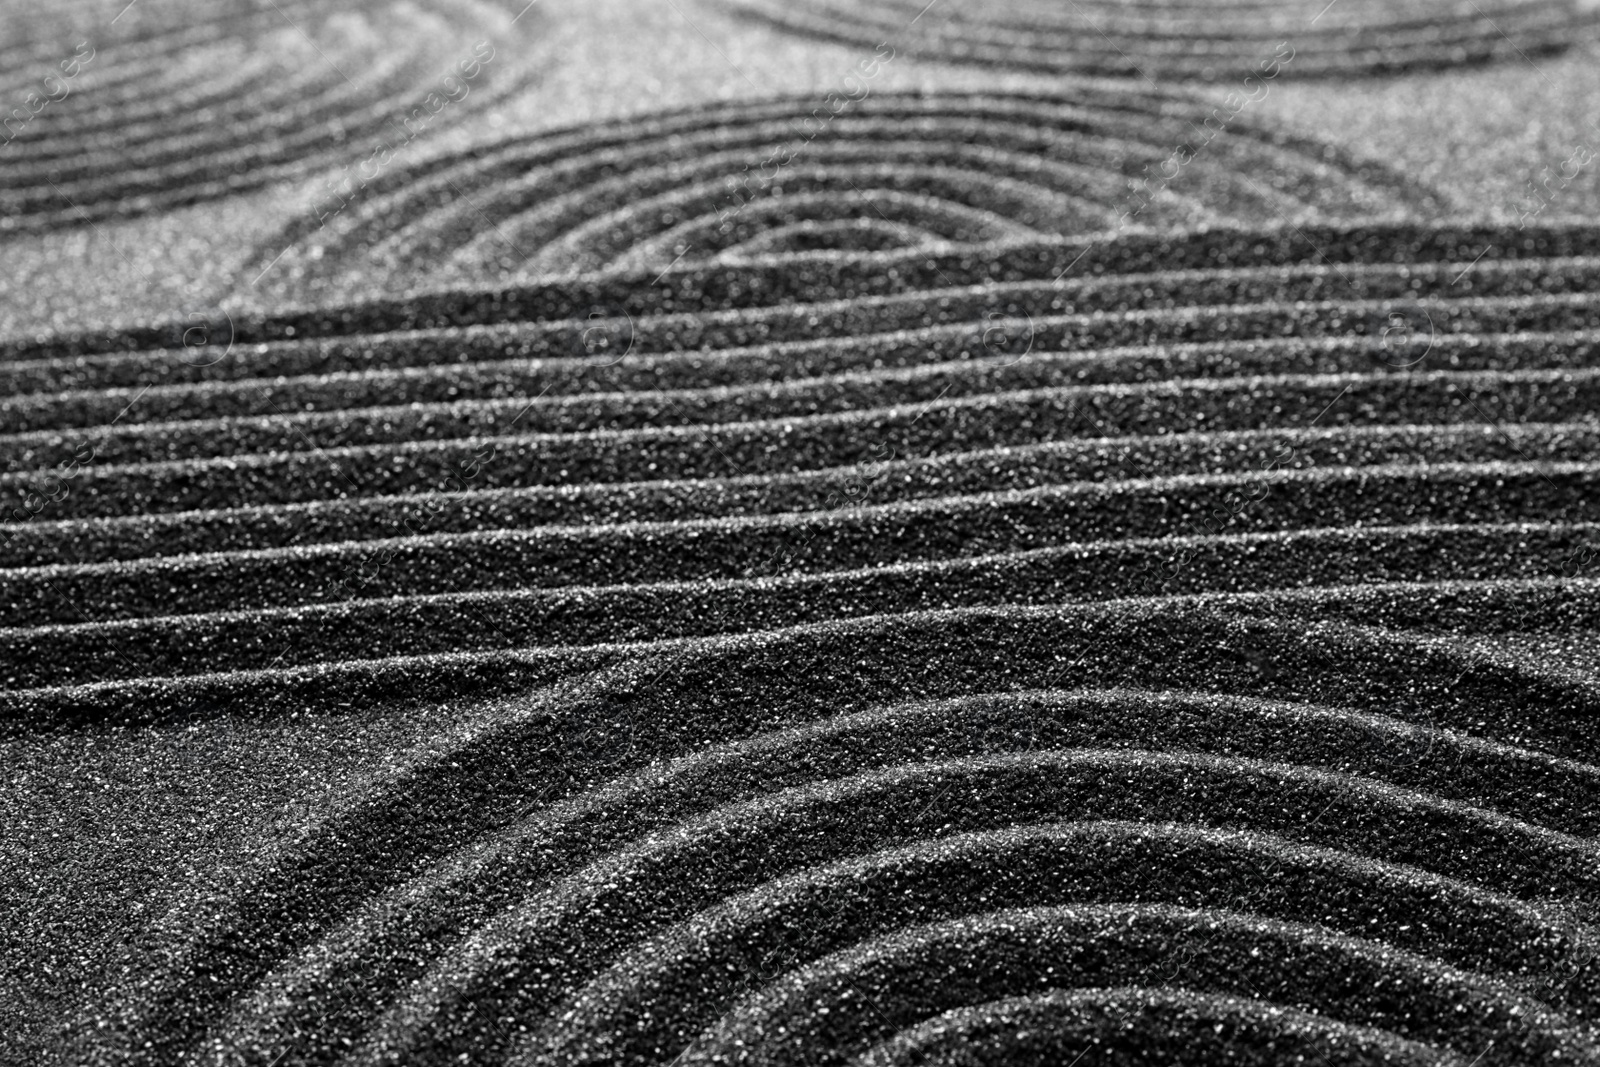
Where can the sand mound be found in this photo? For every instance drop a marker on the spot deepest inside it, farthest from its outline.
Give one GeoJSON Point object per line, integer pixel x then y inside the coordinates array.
{"type": "Point", "coordinates": [884, 658]}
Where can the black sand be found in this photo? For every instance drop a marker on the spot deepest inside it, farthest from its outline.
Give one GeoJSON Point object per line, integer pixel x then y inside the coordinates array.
{"type": "Point", "coordinates": [970, 598]}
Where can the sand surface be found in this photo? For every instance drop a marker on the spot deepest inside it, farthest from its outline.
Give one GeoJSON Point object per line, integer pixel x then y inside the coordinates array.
{"type": "Point", "coordinates": [728, 531]}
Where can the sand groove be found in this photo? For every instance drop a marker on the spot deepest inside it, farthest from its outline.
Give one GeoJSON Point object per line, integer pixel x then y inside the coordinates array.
{"type": "Point", "coordinates": [167, 104]}
{"type": "Point", "coordinates": [1190, 39]}
{"type": "Point", "coordinates": [888, 172]}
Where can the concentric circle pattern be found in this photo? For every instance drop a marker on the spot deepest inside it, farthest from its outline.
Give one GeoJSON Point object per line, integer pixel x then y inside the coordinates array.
{"type": "Point", "coordinates": [1193, 38]}
{"type": "Point", "coordinates": [167, 103]}
{"type": "Point", "coordinates": [888, 171]}
{"type": "Point", "coordinates": [1166, 647]}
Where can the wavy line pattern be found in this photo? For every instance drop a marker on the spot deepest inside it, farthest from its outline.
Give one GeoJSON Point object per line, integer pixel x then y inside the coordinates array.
{"type": "Point", "coordinates": [165, 104]}
{"type": "Point", "coordinates": [1190, 39]}
{"type": "Point", "coordinates": [924, 657]}
{"type": "Point", "coordinates": [886, 172]}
